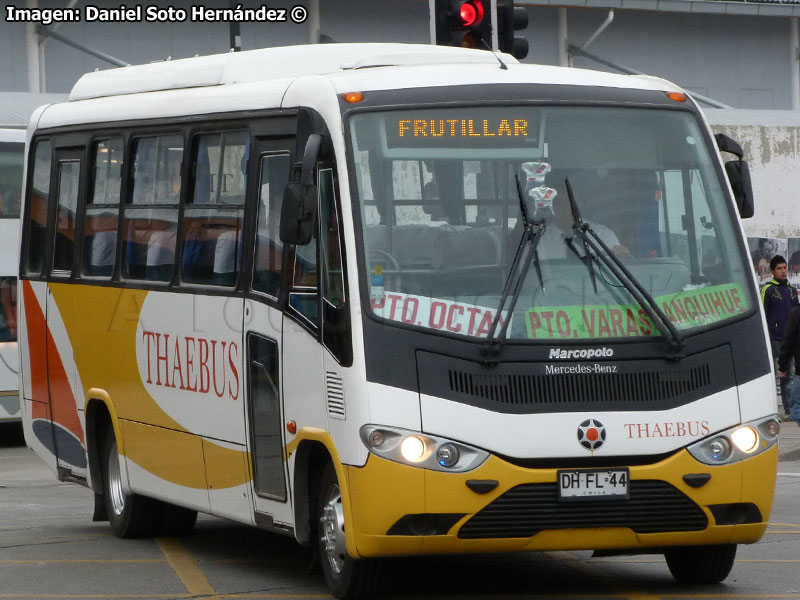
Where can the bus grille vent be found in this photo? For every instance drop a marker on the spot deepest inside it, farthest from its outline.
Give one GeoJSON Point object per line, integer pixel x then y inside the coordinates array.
{"type": "Point", "coordinates": [524, 511]}
{"type": "Point", "coordinates": [642, 387]}
{"type": "Point", "coordinates": [335, 391]}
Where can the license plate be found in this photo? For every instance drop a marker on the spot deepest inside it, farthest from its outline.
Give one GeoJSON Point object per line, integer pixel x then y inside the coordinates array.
{"type": "Point", "coordinates": [584, 484]}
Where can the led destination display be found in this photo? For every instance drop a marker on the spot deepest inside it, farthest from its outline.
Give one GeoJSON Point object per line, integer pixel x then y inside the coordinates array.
{"type": "Point", "coordinates": [496, 127]}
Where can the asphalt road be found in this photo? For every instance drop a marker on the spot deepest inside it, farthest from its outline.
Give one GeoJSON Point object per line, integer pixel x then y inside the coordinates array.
{"type": "Point", "coordinates": [50, 549]}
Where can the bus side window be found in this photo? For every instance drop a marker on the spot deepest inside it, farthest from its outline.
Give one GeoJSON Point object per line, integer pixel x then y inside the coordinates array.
{"type": "Point", "coordinates": [336, 333]}
{"type": "Point", "coordinates": [304, 295]}
{"type": "Point", "coordinates": [151, 217]}
{"type": "Point", "coordinates": [38, 208]}
{"type": "Point", "coordinates": [330, 244]}
{"type": "Point", "coordinates": [304, 283]}
{"type": "Point", "coordinates": [269, 249]}
{"type": "Point", "coordinates": [212, 221]}
{"type": "Point", "coordinates": [102, 212]}
{"type": "Point", "coordinates": [64, 241]}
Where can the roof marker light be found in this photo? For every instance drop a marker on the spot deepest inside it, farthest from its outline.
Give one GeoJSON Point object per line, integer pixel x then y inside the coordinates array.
{"type": "Point", "coordinates": [353, 97]}
{"type": "Point", "coordinates": [677, 96]}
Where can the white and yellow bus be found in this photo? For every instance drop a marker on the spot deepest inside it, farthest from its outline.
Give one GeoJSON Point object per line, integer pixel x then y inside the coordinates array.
{"type": "Point", "coordinates": [398, 300]}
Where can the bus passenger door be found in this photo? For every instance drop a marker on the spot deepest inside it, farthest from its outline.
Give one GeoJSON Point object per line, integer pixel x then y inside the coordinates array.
{"type": "Point", "coordinates": [68, 428]}
{"type": "Point", "coordinates": [263, 342]}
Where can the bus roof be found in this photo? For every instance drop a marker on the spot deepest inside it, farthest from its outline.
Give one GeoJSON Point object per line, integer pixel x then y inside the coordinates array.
{"type": "Point", "coordinates": [291, 76]}
{"type": "Point", "coordinates": [16, 107]}
{"type": "Point", "coordinates": [269, 64]}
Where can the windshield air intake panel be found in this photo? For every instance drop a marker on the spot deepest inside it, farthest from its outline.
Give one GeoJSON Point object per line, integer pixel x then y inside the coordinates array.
{"type": "Point", "coordinates": [542, 387]}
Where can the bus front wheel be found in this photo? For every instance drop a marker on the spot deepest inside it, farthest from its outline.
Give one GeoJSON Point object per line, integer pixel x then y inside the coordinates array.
{"type": "Point", "coordinates": [130, 515]}
{"type": "Point", "coordinates": [700, 564]}
{"type": "Point", "coordinates": [346, 577]}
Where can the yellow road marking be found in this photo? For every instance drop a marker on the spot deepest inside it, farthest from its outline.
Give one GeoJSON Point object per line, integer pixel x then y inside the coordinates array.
{"type": "Point", "coordinates": [44, 517]}
{"type": "Point", "coordinates": [67, 538]}
{"type": "Point", "coordinates": [768, 560]}
{"type": "Point", "coordinates": [86, 560]}
{"type": "Point", "coordinates": [185, 567]}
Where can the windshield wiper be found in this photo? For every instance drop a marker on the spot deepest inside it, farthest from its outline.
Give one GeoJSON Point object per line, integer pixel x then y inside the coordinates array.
{"type": "Point", "coordinates": [601, 252]}
{"type": "Point", "coordinates": [531, 234]}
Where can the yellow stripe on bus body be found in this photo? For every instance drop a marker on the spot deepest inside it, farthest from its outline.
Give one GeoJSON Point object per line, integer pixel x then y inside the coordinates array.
{"type": "Point", "coordinates": [103, 323]}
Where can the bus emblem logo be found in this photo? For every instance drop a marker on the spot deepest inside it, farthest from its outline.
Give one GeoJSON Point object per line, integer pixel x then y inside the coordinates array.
{"type": "Point", "coordinates": [591, 434]}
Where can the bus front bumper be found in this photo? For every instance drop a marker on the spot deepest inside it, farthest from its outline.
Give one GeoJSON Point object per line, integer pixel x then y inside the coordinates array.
{"type": "Point", "coordinates": [401, 510]}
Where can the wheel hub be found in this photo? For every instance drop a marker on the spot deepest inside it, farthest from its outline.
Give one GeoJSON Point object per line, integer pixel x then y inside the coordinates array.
{"type": "Point", "coordinates": [115, 492]}
{"type": "Point", "coordinates": [332, 531]}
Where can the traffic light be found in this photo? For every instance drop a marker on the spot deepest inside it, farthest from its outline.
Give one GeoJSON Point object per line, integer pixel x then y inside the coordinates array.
{"type": "Point", "coordinates": [511, 19]}
{"type": "Point", "coordinates": [464, 23]}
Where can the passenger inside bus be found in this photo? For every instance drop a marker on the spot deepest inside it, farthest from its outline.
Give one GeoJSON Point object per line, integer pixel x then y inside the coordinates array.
{"type": "Point", "coordinates": [226, 254]}
{"type": "Point", "coordinates": [102, 247]}
{"type": "Point", "coordinates": [160, 255]}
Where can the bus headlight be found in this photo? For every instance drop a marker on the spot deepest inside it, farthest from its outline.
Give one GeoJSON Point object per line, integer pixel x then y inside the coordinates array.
{"type": "Point", "coordinates": [421, 450]}
{"type": "Point", "coordinates": [737, 443]}
{"type": "Point", "coordinates": [745, 438]}
{"type": "Point", "coordinates": [413, 449]}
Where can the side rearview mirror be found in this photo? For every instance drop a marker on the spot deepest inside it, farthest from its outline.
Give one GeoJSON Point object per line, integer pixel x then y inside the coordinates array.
{"type": "Point", "coordinates": [727, 144]}
{"type": "Point", "coordinates": [739, 176]}
{"type": "Point", "coordinates": [299, 209]}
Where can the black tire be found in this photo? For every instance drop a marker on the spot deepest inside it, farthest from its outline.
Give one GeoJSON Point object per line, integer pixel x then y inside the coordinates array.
{"type": "Point", "coordinates": [347, 578]}
{"type": "Point", "coordinates": [700, 564]}
{"type": "Point", "coordinates": [130, 515]}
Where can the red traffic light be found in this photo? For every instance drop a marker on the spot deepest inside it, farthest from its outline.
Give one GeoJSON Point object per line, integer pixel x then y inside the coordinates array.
{"type": "Point", "coordinates": [471, 13]}
{"type": "Point", "coordinates": [465, 23]}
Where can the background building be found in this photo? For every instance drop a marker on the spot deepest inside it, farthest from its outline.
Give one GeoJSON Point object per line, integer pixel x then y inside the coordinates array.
{"type": "Point", "coordinates": [742, 55]}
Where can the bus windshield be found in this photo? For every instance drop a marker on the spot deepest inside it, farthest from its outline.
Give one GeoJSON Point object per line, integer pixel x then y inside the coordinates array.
{"type": "Point", "coordinates": [441, 219]}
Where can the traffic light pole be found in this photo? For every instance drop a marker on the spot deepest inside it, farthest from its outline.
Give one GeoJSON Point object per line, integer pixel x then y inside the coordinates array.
{"type": "Point", "coordinates": [432, 20]}
{"type": "Point", "coordinates": [495, 42]}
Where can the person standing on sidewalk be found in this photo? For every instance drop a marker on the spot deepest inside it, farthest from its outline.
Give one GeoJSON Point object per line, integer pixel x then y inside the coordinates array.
{"type": "Point", "coordinates": [778, 298]}
{"type": "Point", "coordinates": [790, 349]}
